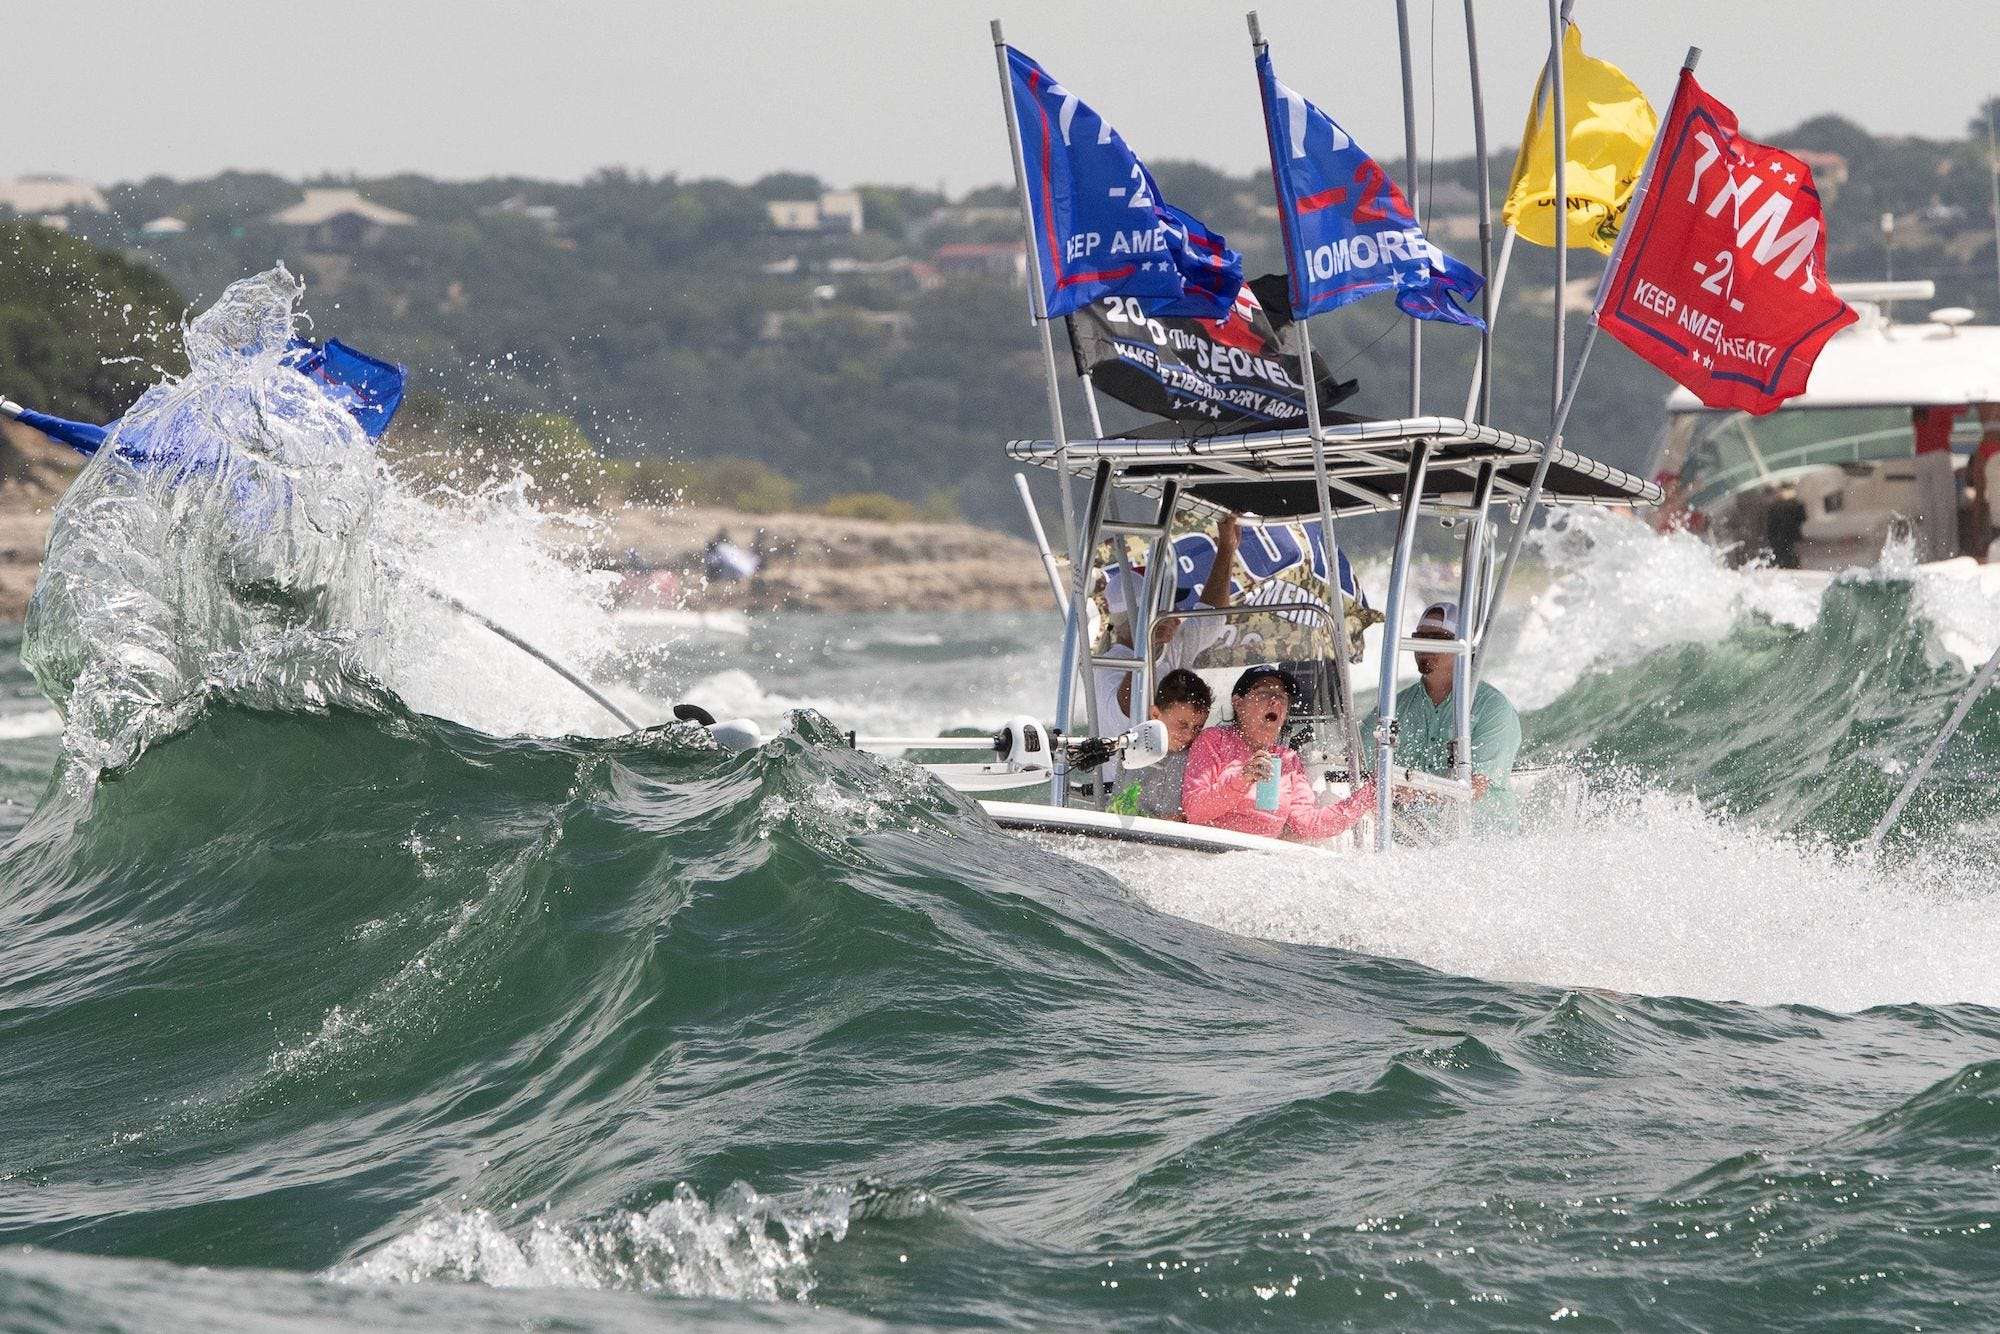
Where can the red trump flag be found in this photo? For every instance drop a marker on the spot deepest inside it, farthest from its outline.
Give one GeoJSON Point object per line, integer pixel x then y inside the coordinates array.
{"type": "Point", "coordinates": [1720, 280]}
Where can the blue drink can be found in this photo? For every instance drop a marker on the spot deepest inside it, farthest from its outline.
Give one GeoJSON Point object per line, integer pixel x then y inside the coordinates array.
{"type": "Point", "coordinates": [1267, 788]}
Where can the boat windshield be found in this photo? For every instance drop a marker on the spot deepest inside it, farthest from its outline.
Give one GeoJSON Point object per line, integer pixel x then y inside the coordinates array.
{"type": "Point", "coordinates": [1725, 453]}
{"type": "Point", "coordinates": [1278, 622]}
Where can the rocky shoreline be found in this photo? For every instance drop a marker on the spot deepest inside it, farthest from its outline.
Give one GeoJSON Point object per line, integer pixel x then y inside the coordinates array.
{"type": "Point", "coordinates": [813, 562]}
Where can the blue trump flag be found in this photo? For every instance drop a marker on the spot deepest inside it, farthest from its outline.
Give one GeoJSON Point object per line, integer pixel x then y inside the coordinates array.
{"type": "Point", "coordinates": [1349, 233]}
{"type": "Point", "coordinates": [370, 389]}
{"type": "Point", "coordinates": [1101, 228]}
{"type": "Point", "coordinates": [82, 437]}
{"type": "Point", "coordinates": [1268, 550]}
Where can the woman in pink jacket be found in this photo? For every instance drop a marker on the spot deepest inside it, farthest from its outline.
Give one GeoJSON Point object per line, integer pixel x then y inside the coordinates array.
{"type": "Point", "coordinates": [1226, 763]}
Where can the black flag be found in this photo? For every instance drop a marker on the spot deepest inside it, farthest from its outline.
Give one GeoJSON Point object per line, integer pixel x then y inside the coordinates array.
{"type": "Point", "coordinates": [1232, 374]}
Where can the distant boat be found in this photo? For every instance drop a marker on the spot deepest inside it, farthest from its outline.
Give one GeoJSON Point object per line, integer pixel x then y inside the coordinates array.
{"type": "Point", "coordinates": [725, 623]}
{"type": "Point", "coordinates": [1876, 449]}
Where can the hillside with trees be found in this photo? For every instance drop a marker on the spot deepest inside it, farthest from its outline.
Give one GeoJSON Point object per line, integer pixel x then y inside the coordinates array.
{"type": "Point", "coordinates": [764, 345]}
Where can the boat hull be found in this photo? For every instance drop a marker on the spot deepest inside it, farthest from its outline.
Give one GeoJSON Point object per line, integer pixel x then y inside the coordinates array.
{"type": "Point", "coordinates": [1135, 829]}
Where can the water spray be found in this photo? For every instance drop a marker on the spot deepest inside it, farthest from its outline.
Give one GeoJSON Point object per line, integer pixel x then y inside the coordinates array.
{"type": "Point", "coordinates": [1978, 687]}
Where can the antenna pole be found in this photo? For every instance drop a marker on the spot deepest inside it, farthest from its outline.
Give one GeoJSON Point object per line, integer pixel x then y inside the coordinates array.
{"type": "Point", "coordinates": [1480, 397]}
{"type": "Point", "coordinates": [1474, 404]}
{"type": "Point", "coordinates": [595, 695]}
{"type": "Point", "coordinates": [1559, 123]}
{"type": "Point", "coordinates": [1416, 209]}
{"type": "Point", "coordinates": [1917, 775]}
{"type": "Point", "coordinates": [1993, 175]}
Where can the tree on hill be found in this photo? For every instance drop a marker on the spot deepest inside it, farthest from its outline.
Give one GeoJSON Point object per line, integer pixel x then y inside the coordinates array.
{"type": "Point", "coordinates": [1987, 118]}
{"type": "Point", "coordinates": [83, 331]}
{"type": "Point", "coordinates": [670, 322]}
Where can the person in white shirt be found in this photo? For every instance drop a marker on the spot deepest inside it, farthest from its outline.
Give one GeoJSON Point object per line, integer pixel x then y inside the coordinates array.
{"type": "Point", "coordinates": [1176, 643]}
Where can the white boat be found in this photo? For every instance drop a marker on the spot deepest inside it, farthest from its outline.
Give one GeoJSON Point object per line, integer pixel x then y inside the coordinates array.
{"type": "Point", "coordinates": [1439, 468]}
{"type": "Point", "coordinates": [1876, 448]}
{"type": "Point", "coordinates": [726, 623]}
{"type": "Point", "coordinates": [1416, 467]}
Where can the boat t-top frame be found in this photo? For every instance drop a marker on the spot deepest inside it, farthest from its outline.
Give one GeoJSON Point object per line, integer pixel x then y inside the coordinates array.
{"type": "Point", "coordinates": [1451, 468]}
{"type": "Point", "coordinates": [1455, 468]}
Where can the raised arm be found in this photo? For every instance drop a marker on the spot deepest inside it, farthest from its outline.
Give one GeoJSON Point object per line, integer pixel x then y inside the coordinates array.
{"type": "Point", "coordinates": [1227, 535]}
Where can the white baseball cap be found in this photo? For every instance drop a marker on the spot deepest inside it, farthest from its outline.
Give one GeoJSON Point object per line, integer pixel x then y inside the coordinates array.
{"type": "Point", "coordinates": [1439, 616]}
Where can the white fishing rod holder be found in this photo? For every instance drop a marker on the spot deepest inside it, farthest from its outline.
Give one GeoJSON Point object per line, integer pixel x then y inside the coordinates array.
{"type": "Point", "coordinates": [1025, 746]}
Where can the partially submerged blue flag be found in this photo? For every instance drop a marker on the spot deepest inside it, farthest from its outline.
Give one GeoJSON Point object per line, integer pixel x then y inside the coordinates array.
{"type": "Point", "coordinates": [1349, 233]}
{"type": "Point", "coordinates": [82, 437]}
{"type": "Point", "coordinates": [370, 389]}
{"type": "Point", "coordinates": [1100, 226]}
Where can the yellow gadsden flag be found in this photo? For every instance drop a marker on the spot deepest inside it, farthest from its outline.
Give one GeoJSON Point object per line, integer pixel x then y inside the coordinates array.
{"type": "Point", "coordinates": [1611, 125]}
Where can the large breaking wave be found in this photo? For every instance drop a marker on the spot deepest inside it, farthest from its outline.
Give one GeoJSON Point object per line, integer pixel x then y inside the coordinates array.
{"type": "Point", "coordinates": [384, 996]}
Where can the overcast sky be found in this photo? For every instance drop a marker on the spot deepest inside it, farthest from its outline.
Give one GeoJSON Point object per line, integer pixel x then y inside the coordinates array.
{"type": "Point", "coordinates": [893, 91]}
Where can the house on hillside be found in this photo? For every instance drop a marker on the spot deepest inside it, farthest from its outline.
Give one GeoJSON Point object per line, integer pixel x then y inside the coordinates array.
{"type": "Point", "coordinates": [893, 325]}
{"type": "Point", "coordinates": [545, 216]}
{"type": "Point", "coordinates": [993, 259]}
{"type": "Point", "coordinates": [1829, 171]}
{"type": "Point", "coordinates": [340, 218]}
{"type": "Point", "coordinates": [838, 212]}
{"type": "Point", "coordinates": [50, 199]}
{"type": "Point", "coordinates": [963, 218]}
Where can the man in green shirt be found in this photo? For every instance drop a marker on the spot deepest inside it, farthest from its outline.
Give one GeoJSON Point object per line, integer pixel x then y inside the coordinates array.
{"type": "Point", "coordinates": [1427, 723]}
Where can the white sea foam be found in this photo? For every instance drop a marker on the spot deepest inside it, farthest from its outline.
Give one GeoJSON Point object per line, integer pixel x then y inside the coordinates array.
{"type": "Point", "coordinates": [260, 549]}
{"type": "Point", "coordinates": [744, 1246]}
{"type": "Point", "coordinates": [31, 723]}
{"type": "Point", "coordinates": [1638, 892]}
{"type": "Point", "coordinates": [1619, 591]}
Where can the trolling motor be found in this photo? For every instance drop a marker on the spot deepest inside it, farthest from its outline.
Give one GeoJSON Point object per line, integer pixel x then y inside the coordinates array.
{"type": "Point", "coordinates": [1024, 746]}
{"type": "Point", "coordinates": [733, 734]}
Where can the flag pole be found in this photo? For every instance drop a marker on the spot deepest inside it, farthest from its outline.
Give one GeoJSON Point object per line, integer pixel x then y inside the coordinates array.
{"type": "Point", "coordinates": [1559, 122]}
{"type": "Point", "coordinates": [1416, 211]}
{"type": "Point", "coordinates": [1090, 401]}
{"type": "Point", "coordinates": [1480, 394]}
{"type": "Point", "coordinates": [1037, 309]}
{"type": "Point", "coordinates": [1074, 650]}
{"type": "Point", "coordinates": [1495, 289]}
{"type": "Point", "coordinates": [1510, 233]}
{"type": "Point", "coordinates": [1343, 677]}
{"type": "Point", "coordinates": [1568, 400]}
